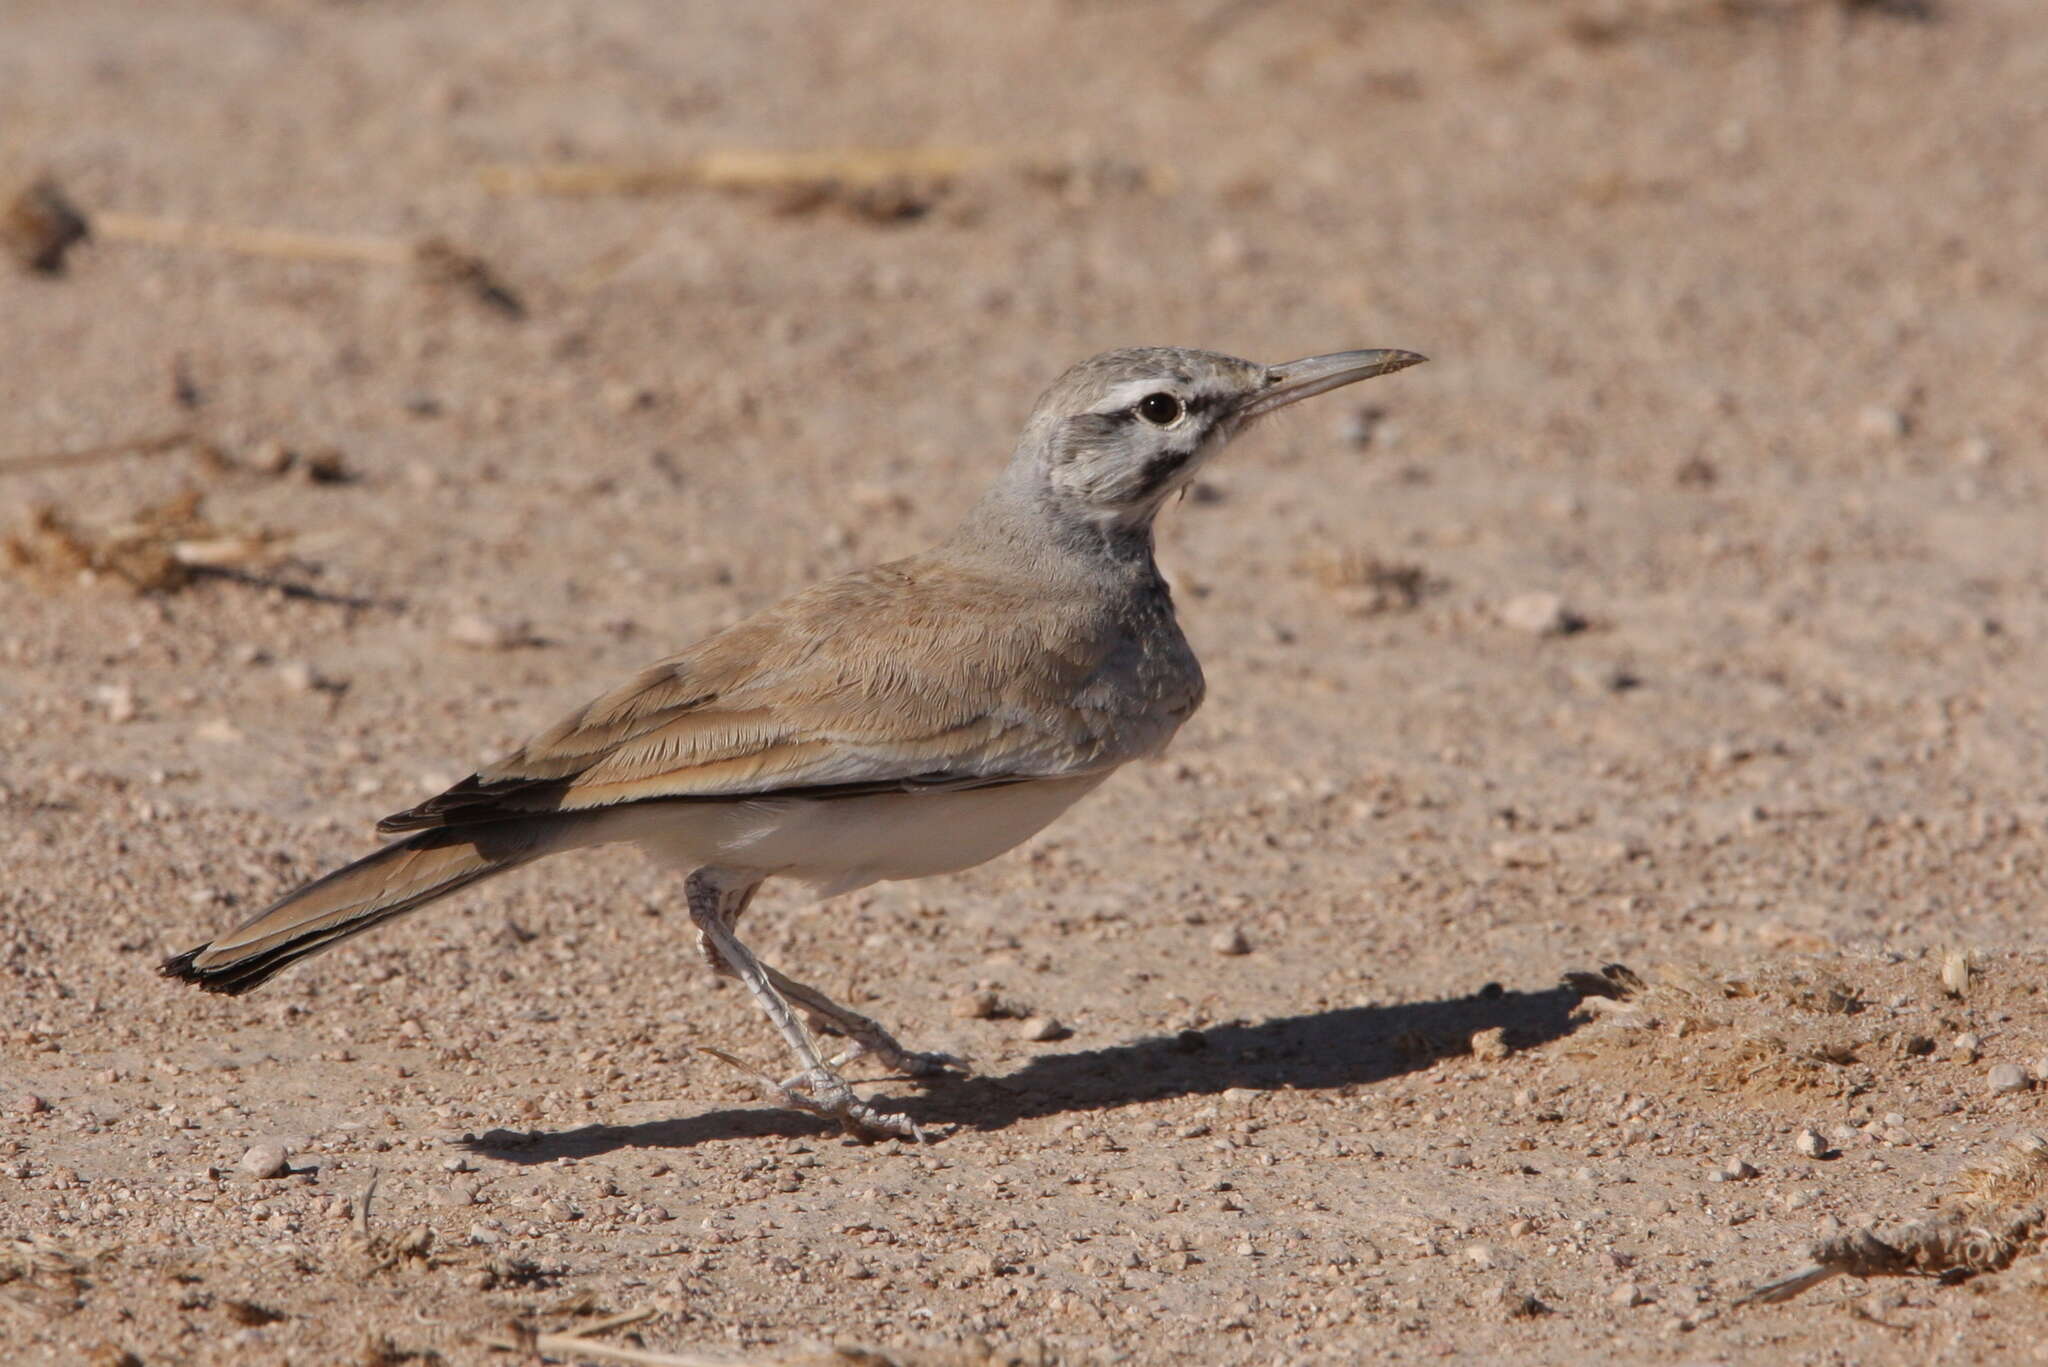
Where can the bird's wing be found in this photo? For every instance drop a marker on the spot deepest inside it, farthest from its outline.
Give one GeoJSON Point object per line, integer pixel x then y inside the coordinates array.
{"type": "Point", "coordinates": [899, 678]}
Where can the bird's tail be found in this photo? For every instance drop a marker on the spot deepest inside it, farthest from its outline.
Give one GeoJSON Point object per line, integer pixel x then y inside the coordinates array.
{"type": "Point", "coordinates": [403, 875]}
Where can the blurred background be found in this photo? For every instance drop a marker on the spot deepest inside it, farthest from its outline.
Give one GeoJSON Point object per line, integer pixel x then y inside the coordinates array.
{"type": "Point", "coordinates": [426, 366]}
{"type": "Point", "coordinates": [605, 323]}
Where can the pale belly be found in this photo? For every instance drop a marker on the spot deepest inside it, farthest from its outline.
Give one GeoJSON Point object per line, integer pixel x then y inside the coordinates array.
{"type": "Point", "coordinates": [838, 845]}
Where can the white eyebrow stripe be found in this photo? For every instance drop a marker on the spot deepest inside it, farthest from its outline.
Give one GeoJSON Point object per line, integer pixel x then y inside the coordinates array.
{"type": "Point", "coordinates": [1130, 391]}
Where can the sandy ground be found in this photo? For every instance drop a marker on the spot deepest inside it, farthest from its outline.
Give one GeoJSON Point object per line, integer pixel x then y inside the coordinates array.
{"type": "Point", "coordinates": [1738, 314]}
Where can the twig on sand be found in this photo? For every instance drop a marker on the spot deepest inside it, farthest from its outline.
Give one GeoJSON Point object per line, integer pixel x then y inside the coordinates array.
{"type": "Point", "coordinates": [40, 224]}
{"type": "Point", "coordinates": [733, 170]}
{"type": "Point", "coordinates": [154, 445]}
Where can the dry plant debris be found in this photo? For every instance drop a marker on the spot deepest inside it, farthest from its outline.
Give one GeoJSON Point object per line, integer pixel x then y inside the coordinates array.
{"type": "Point", "coordinates": [2000, 1214]}
{"type": "Point", "coordinates": [1367, 584]}
{"type": "Point", "coordinates": [885, 185]}
{"type": "Point", "coordinates": [41, 1276]}
{"type": "Point", "coordinates": [40, 224]}
{"type": "Point", "coordinates": [159, 551]}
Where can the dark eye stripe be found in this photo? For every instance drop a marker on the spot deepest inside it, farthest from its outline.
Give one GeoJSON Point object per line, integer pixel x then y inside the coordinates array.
{"type": "Point", "coordinates": [1159, 472]}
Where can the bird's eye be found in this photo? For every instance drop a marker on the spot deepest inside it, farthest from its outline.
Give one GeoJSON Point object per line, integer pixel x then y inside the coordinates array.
{"type": "Point", "coordinates": [1161, 410]}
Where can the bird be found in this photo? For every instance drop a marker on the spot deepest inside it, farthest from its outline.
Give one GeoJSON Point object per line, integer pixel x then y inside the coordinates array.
{"type": "Point", "coordinates": [915, 718]}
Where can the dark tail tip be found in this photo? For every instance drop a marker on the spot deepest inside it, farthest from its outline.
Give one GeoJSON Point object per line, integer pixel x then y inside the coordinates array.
{"type": "Point", "coordinates": [230, 979]}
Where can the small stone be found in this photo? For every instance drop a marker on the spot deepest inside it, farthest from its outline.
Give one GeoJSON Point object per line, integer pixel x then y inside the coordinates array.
{"type": "Point", "coordinates": [1490, 1046]}
{"type": "Point", "coordinates": [1481, 1255]}
{"type": "Point", "coordinates": [1737, 1170]}
{"type": "Point", "coordinates": [1361, 425]}
{"type": "Point", "coordinates": [1540, 614]}
{"type": "Point", "coordinates": [267, 1159]}
{"type": "Point", "coordinates": [119, 700]}
{"type": "Point", "coordinates": [1811, 1143]}
{"type": "Point", "coordinates": [326, 466]}
{"type": "Point", "coordinates": [974, 1006]}
{"type": "Point", "coordinates": [1522, 852]}
{"type": "Point", "coordinates": [271, 457]}
{"type": "Point", "coordinates": [1955, 972]}
{"type": "Point", "coordinates": [1629, 1295]}
{"type": "Point", "coordinates": [1879, 423]}
{"type": "Point", "coordinates": [479, 632]}
{"type": "Point", "coordinates": [623, 397]}
{"type": "Point", "coordinates": [1230, 942]}
{"type": "Point", "coordinates": [457, 1164]}
{"type": "Point", "coordinates": [30, 1104]}
{"type": "Point", "coordinates": [298, 676]}
{"type": "Point", "coordinates": [1967, 1046]}
{"type": "Point", "coordinates": [2006, 1078]}
{"type": "Point", "coordinates": [1521, 1229]}
{"type": "Point", "coordinates": [1976, 452]}
{"type": "Point", "coordinates": [1043, 1028]}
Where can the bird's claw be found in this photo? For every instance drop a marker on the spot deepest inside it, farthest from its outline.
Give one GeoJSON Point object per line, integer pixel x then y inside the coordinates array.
{"type": "Point", "coordinates": [822, 1092]}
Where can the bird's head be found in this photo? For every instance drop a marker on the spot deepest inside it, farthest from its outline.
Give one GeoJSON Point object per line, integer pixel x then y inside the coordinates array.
{"type": "Point", "coordinates": [1122, 432]}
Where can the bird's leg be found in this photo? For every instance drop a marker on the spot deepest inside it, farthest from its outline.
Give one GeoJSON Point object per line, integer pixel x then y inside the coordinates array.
{"type": "Point", "coordinates": [870, 1038]}
{"type": "Point", "coordinates": [715, 903]}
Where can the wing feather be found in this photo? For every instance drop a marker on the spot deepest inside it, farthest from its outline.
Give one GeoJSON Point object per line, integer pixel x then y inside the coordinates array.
{"type": "Point", "coordinates": [899, 678]}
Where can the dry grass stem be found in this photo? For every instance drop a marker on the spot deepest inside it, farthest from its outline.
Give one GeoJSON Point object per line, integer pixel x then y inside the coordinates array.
{"type": "Point", "coordinates": [2000, 1214]}
{"type": "Point", "coordinates": [154, 445]}
{"type": "Point", "coordinates": [732, 170]}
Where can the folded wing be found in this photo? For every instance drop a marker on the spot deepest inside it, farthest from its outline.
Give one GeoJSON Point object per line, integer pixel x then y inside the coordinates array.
{"type": "Point", "coordinates": [882, 680]}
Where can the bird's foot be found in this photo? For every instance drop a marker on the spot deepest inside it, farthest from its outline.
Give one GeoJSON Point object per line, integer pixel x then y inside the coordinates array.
{"type": "Point", "coordinates": [872, 1041]}
{"type": "Point", "coordinates": [823, 1092]}
{"type": "Point", "coordinates": [909, 1062]}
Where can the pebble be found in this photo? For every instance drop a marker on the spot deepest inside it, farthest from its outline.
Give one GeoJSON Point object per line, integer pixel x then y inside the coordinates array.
{"type": "Point", "coordinates": [1490, 1046]}
{"type": "Point", "coordinates": [1976, 452]}
{"type": "Point", "coordinates": [1968, 1046]}
{"type": "Point", "coordinates": [1540, 614]}
{"type": "Point", "coordinates": [31, 1104]}
{"type": "Point", "coordinates": [270, 457]}
{"type": "Point", "coordinates": [266, 1160]}
{"type": "Point", "coordinates": [119, 700]}
{"type": "Point", "coordinates": [1955, 972]}
{"type": "Point", "coordinates": [974, 1006]}
{"type": "Point", "coordinates": [1811, 1143]}
{"type": "Point", "coordinates": [1230, 942]}
{"type": "Point", "coordinates": [300, 677]}
{"type": "Point", "coordinates": [1736, 1170]}
{"type": "Point", "coordinates": [479, 632]}
{"type": "Point", "coordinates": [1881, 424]}
{"type": "Point", "coordinates": [1629, 1295]}
{"type": "Point", "coordinates": [1042, 1028]}
{"type": "Point", "coordinates": [2005, 1078]}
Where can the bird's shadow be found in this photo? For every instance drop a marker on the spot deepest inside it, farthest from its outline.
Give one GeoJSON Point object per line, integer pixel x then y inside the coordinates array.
{"type": "Point", "coordinates": [1349, 1047]}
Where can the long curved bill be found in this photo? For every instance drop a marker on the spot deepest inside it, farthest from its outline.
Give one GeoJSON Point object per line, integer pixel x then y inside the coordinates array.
{"type": "Point", "coordinates": [1313, 375]}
